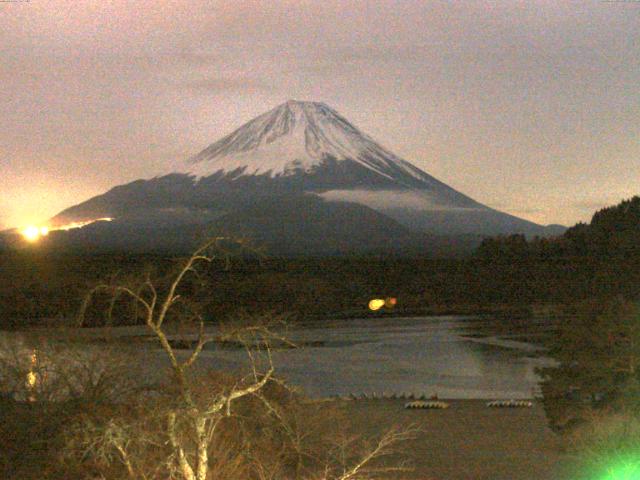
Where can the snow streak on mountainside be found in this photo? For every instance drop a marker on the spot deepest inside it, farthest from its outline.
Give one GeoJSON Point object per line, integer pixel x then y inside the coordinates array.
{"type": "Point", "coordinates": [297, 137]}
{"type": "Point", "coordinates": [308, 157]}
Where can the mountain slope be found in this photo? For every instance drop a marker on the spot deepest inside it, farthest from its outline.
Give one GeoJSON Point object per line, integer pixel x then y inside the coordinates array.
{"type": "Point", "coordinates": [293, 151]}
{"type": "Point", "coordinates": [289, 225]}
{"type": "Point", "coordinates": [309, 139]}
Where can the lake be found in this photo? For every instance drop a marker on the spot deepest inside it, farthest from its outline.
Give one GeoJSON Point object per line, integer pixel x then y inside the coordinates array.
{"type": "Point", "coordinates": [446, 356]}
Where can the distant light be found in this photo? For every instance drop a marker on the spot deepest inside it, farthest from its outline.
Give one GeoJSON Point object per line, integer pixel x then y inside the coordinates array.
{"type": "Point", "coordinates": [31, 233]}
{"type": "Point", "coordinates": [74, 225]}
{"type": "Point", "coordinates": [390, 302]}
{"type": "Point", "coordinates": [31, 379]}
{"type": "Point", "coordinates": [376, 304]}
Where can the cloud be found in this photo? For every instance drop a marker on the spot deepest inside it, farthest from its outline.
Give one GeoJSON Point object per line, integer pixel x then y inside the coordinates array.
{"type": "Point", "coordinates": [516, 211]}
{"type": "Point", "coordinates": [526, 211]}
{"type": "Point", "coordinates": [380, 199]}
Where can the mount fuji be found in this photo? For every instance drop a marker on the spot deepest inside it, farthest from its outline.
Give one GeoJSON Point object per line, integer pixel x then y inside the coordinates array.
{"type": "Point", "coordinates": [299, 173]}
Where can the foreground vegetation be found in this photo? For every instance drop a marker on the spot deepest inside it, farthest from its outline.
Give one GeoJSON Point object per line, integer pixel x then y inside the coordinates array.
{"type": "Point", "coordinates": [591, 275]}
{"type": "Point", "coordinates": [71, 410]}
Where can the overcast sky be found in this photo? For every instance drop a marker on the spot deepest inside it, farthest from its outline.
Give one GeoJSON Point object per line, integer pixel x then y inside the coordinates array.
{"type": "Point", "coordinates": [530, 107]}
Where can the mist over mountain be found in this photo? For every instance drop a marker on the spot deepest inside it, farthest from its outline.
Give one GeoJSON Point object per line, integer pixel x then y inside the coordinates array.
{"type": "Point", "coordinates": [296, 151]}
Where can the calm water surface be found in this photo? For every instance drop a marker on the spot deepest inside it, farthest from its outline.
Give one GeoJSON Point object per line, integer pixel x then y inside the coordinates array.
{"type": "Point", "coordinates": [425, 355]}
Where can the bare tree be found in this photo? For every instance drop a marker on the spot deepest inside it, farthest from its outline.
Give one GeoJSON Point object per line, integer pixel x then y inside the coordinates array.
{"type": "Point", "coordinates": [192, 412]}
{"type": "Point", "coordinates": [202, 417]}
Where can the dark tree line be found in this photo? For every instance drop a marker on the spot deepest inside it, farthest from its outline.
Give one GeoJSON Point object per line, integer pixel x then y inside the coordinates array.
{"type": "Point", "coordinates": [600, 259]}
{"type": "Point", "coordinates": [596, 260]}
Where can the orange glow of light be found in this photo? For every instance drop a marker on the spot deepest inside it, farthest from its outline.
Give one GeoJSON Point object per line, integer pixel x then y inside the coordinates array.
{"type": "Point", "coordinates": [31, 379]}
{"type": "Point", "coordinates": [33, 233]}
{"type": "Point", "coordinates": [376, 304]}
{"type": "Point", "coordinates": [72, 225]}
{"type": "Point", "coordinates": [390, 302]}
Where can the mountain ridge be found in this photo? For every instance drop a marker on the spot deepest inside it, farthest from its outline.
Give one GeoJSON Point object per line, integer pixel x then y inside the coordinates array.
{"type": "Point", "coordinates": [294, 150]}
{"type": "Point", "coordinates": [299, 137]}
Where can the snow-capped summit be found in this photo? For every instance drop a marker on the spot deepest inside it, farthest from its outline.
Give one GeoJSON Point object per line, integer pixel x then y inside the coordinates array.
{"type": "Point", "coordinates": [298, 137]}
{"type": "Point", "coordinates": [300, 162]}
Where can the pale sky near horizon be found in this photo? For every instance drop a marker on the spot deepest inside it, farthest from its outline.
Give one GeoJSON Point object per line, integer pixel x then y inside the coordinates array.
{"type": "Point", "coordinates": [531, 107]}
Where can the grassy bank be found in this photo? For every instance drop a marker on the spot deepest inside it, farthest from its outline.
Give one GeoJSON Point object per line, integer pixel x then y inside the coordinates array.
{"type": "Point", "coordinates": [469, 440]}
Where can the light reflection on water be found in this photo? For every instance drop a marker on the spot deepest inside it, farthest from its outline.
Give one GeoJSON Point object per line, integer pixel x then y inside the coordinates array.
{"type": "Point", "coordinates": [425, 355]}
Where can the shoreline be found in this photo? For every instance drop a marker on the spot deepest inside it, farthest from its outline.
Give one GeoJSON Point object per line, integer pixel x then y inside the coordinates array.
{"type": "Point", "coordinates": [468, 440]}
{"type": "Point", "coordinates": [499, 310]}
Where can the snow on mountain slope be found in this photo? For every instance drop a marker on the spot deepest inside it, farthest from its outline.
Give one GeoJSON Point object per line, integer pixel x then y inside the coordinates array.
{"type": "Point", "coordinates": [298, 136]}
{"type": "Point", "coordinates": [300, 150]}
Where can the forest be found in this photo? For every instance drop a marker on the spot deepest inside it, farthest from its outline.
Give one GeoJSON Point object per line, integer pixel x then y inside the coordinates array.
{"type": "Point", "coordinates": [596, 260]}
